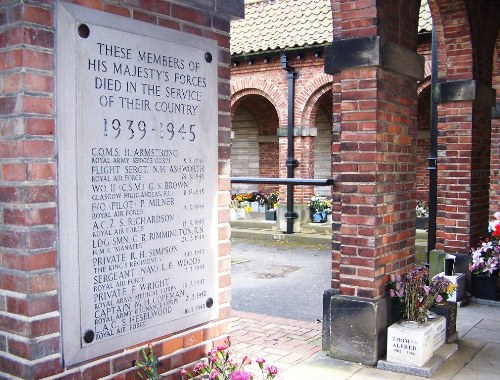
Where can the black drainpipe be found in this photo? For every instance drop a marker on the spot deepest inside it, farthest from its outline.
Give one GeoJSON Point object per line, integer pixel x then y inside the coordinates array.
{"type": "Point", "coordinates": [432, 159]}
{"type": "Point", "coordinates": [291, 162]}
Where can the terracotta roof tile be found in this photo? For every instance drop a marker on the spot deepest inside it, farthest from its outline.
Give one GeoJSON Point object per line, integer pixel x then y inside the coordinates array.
{"type": "Point", "coordinates": [425, 19]}
{"type": "Point", "coordinates": [282, 24]}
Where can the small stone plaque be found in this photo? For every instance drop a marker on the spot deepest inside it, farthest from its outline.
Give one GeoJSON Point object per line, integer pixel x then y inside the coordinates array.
{"type": "Point", "coordinates": [449, 311]}
{"type": "Point", "coordinates": [414, 345]}
{"type": "Point", "coordinates": [138, 171]}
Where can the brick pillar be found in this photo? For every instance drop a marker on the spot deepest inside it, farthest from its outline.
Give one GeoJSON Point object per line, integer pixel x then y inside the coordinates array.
{"type": "Point", "coordinates": [466, 40]}
{"type": "Point", "coordinates": [495, 137]}
{"type": "Point", "coordinates": [464, 141]}
{"type": "Point", "coordinates": [30, 310]}
{"type": "Point", "coordinates": [374, 163]}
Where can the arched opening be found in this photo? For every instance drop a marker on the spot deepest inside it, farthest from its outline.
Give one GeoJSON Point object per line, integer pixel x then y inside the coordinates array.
{"type": "Point", "coordinates": [255, 149]}
{"type": "Point", "coordinates": [323, 143]}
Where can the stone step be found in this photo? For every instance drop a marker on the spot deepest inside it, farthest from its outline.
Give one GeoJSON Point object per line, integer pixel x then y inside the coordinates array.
{"type": "Point", "coordinates": [270, 235]}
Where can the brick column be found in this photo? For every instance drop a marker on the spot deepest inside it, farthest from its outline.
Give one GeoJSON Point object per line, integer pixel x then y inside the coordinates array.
{"type": "Point", "coordinates": [374, 166]}
{"type": "Point", "coordinates": [30, 334]}
{"type": "Point", "coordinates": [464, 141]}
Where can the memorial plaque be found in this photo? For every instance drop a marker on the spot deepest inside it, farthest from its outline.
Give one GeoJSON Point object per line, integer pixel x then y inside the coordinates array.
{"type": "Point", "coordinates": [137, 127]}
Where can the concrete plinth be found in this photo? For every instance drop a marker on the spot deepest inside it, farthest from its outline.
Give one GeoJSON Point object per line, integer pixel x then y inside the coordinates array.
{"type": "Point", "coordinates": [358, 329]}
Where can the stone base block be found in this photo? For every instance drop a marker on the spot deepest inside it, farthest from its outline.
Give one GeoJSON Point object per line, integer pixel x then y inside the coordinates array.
{"type": "Point", "coordinates": [414, 345]}
{"type": "Point", "coordinates": [358, 329]}
{"type": "Point", "coordinates": [440, 355]}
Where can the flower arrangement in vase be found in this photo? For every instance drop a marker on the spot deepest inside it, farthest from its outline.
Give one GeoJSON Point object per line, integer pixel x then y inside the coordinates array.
{"type": "Point", "coordinates": [484, 265]}
{"type": "Point", "coordinates": [320, 206]}
{"type": "Point", "coordinates": [414, 293]}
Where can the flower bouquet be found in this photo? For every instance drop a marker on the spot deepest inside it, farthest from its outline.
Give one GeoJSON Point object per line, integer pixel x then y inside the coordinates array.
{"type": "Point", "coordinates": [485, 256]}
{"type": "Point", "coordinates": [415, 294]}
{"type": "Point", "coordinates": [484, 265]}
{"type": "Point", "coordinates": [320, 206]}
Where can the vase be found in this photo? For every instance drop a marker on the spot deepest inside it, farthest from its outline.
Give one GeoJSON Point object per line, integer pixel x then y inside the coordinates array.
{"type": "Point", "coordinates": [319, 217]}
{"type": "Point", "coordinates": [485, 287]}
{"type": "Point", "coordinates": [271, 214]}
{"type": "Point", "coordinates": [422, 222]}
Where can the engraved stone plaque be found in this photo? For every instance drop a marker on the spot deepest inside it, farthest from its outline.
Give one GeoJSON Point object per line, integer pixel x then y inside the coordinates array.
{"type": "Point", "coordinates": [137, 147]}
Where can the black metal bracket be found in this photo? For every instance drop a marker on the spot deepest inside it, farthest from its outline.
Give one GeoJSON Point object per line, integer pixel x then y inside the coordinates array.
{"type": "Point", "coordinates": [432, 163]}
{"type": "Point", "coordinates": [291, 215]}
{"type": "Point", "coordinates": [292, 163]}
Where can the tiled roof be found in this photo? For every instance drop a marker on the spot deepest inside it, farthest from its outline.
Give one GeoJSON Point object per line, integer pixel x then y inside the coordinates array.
{"type": "Point", "coordinates": [285, 24]}
{"type": "Point", "coordinates": [281, 24]}
{"type": "Point", "coordinates": [424, 19]}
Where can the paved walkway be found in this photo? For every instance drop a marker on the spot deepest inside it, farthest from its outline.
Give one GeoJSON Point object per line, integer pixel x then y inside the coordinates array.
{"type": "Point", "coordinates": [295, 348]}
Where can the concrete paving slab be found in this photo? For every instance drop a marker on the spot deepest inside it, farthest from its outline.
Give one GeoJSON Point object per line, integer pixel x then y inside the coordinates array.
{"type": "Point", "coordinates": [485, 335]}
{"type": "Point", "coordinates": [465, 324]}
{"type": "Point", "coordinates": [487, 359]}
{"type": "Point", "coordinates": [322, 366]}
{"type": "Point", "coordinates": [455, 363]}
{"type": "Point", "coordinates": [468, 374]}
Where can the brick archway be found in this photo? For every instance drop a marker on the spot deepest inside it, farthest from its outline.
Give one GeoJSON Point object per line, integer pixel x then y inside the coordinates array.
{"type": "Point", "coordinates": [311, 92]}
{"type": "Point", "coordinates": [252, 86]}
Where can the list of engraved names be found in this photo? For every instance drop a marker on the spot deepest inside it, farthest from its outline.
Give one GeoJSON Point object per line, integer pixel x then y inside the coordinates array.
{"type": "Point", "coordinates": [148, 179]}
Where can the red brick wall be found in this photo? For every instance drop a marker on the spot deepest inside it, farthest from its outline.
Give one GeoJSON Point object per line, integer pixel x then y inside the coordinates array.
{"type": "Point", "coordinates": [29, 300]}
{"type": "Point", "coordinates": [268, 81]}
{"type": "Point", "coordinates": [495, 139]}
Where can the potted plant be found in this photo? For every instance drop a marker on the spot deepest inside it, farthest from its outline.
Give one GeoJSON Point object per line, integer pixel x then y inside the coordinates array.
{"type": "Point", "coordinates": [485, 280]}
{"type": "Point", "coordinates": [272, 203]}
{"type": "Point", "coordinates": [317, 206]}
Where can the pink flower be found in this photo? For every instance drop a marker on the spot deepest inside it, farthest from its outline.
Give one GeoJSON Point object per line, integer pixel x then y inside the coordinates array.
{"type": "Point", "coordinates": [198, 367]}
{"type": "Point", "coordinates": [260, 360]}
{"type": "Point", "coordinates": [273, 370]}
{"type": "Point", "coordinates": [221, 348]}
{"type": "Point", "coordinates": [439, 298]}
{"type": "Point", "coordinates": [427, 290]}
{"type": "Point", "coordinates": [240, 375]}
{"type": "Point", "coordinates": [214, 374]}
{"type": "Point", "coordinates": [184, 372]}
{"type": "Point", "coordinates": [246, 360]}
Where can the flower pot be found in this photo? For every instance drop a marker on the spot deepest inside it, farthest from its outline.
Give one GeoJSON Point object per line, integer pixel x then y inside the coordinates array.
{"type": "Point", "coordinates": [422, 222]}
{"type": "Point", "coordinates": [485, 287]}
{"type": "Point", "coordinates": [271, 214]}
{"type": "Point", "coordinates": [318, 217]}
{"type": "Point", "coordinates": [254, 206]}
